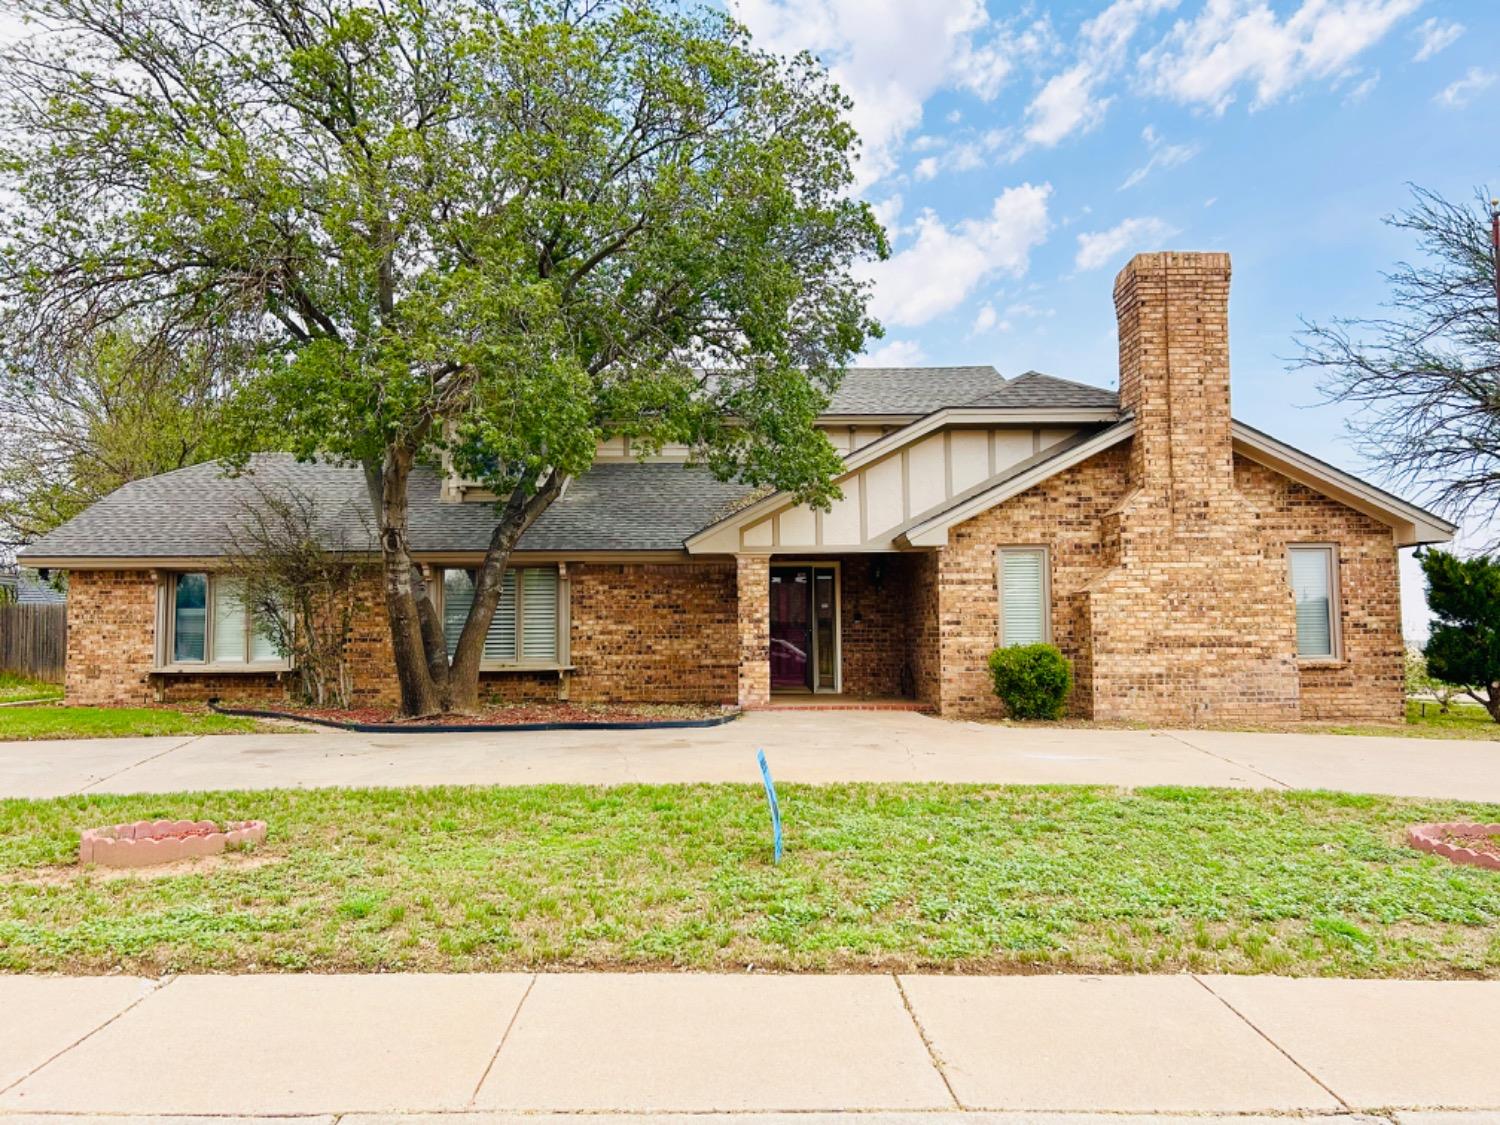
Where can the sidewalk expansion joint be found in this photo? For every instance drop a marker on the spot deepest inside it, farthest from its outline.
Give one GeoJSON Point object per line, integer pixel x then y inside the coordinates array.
{"type": "Point", "coordinates": [1228, 761]}
{"type": "Point", "coordinates": [157, 985]}
{"type": "Point", "coordinates": [135, 765]}
{"type": "Point", "coordinates": [514, 1016]}
{"type": "Point", "coordinates": [1332, 1093]}
{"type": "Point", "coordinates": [937, 1063]}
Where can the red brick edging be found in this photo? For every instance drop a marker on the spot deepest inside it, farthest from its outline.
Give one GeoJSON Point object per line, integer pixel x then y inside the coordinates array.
{"type": "Point", "coordinates": [1429, 838]}
{"type": "Point", "coordinates": [161, 841]}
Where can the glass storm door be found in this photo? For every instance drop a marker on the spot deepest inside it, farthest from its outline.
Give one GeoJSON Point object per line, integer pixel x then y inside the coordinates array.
{"type": "Point", "coordinates": [791, 628]}
{"type": "Point", "coordinates": [804, 628]}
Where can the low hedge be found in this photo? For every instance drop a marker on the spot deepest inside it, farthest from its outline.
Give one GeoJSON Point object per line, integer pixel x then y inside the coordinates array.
{"type": "Point", "coordinates": [1032, 681]}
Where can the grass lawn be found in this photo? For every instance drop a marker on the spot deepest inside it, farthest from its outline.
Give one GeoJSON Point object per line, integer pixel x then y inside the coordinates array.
{"type": "Point", "coordinates": [115, 722]}
{"type": "Point", "coordinates": [15, 687]}
{"type": "Point", "coordinates": [875, 877]}
{"type": "Point", "coordinates": [1464, 720]}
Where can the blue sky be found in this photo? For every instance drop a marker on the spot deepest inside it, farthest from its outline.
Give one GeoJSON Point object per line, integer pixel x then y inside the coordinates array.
{"type": "Point", "coordinates": [1020, 153]}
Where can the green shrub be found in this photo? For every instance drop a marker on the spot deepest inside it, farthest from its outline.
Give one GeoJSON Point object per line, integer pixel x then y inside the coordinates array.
{"type": "Point", "coordinates": [1032, 681]}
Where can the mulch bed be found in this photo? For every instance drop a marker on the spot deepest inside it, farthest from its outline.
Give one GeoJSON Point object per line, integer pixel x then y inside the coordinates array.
{"type": "Point", "coordinates": [1486, 843]}
{"type": "Point", "coordinates": [516, 716]}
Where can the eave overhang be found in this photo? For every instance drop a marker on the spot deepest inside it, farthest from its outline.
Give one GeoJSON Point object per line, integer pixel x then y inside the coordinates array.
{"type": "Point", "coordinates": [1412, 526]}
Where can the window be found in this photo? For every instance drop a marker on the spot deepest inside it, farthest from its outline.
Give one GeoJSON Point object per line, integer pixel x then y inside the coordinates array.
{"type": "Point", "coordinates": [190, 619]}
{"type": "Point", "coordinates": [524, 629]}
{"type": "Point", "coordinates": [1313, 588]}
{"type": "Point", "coordinates": [211, 625]}
{"type": "Point", "coordinates": [1024, 596]}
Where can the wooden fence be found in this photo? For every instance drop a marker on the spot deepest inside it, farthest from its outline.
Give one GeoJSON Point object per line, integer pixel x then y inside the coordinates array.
{"type": "Point", "coordinates": [34, 640]}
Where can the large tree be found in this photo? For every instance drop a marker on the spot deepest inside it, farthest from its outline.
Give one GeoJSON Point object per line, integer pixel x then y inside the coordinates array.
{"type": "Point", "coordinates": [83, 416]}
{"type": "Point", "coordinates": [481, 231]}
{"type": "Point", "coordinates": [1464, 647]}
{"type": "Point", "coordinates": [1425, 377]}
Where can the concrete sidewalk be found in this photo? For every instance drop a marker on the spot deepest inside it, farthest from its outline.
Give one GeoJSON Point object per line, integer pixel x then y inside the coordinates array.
{"type": "Point", "coordinates": [804, 746]}
{"type": "Point", "coordinates": [907, 1047]}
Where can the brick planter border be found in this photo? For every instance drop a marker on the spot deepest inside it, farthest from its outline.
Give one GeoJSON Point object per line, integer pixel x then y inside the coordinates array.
{"type": "Point", "coordinates": [1429, 838]}
{"type": "Point", "coordinates": [148, 842]}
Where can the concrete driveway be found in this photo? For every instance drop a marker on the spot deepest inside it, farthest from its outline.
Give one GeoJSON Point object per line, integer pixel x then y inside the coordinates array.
{"type": "Point", "coordinates": [805, 746]}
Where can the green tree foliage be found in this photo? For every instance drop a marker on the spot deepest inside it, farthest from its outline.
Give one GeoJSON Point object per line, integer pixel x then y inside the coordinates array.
{"type": "Point", "coordinates": [1464, 648]}
{"type": "Point", "coordinates": [82, 417]}
{"type": "Point", "coordinates": [486, 231]}
{"type": "Point", "coordinates": [1422, 684]}
{"type": "Point", "coordinates": [1032, 681]}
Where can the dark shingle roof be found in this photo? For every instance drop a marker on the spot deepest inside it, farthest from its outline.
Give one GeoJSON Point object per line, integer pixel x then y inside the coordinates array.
{"type": "Point", "coordinates": [625, 506]}
{"type": "Point", "coordinates": [1047, 392]}
{"type": "Point", "coordinates": [911, 390]}
{"type": "Point", "coordinates": [194, 512]}
{"type": "Point", "coordinates": [28, 589]}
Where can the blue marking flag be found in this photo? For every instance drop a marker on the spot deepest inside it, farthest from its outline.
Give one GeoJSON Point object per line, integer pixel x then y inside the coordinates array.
{"type": "Point", "coordinates": [765, 775]}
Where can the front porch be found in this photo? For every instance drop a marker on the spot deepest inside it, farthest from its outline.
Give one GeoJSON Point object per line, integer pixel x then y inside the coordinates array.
{"type": "Point", "coordinates": [850, 631]}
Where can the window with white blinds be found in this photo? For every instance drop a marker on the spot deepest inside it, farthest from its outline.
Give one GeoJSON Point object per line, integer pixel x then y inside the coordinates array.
{"type": "Point", "coordinates": [1313, 589]}
{"type": "Point", "coordinates": [1023, 595]}
{"type": "Point", "coordinates": [530, 602]}
{"type": "Point", "coordinates": [211, 625]}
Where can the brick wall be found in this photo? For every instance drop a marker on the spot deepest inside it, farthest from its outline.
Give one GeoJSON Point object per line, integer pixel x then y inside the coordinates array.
{"type": "Point", "coordinates": [753, 629]}
{"type": "Point", "coordinates": [1367, 682]}
{"type": "Point", "coordinates": [1066, 514]}
{"type": "Point", "coordinates": [876, 619]}
{"type": "Point", "coordinates": [1170, 670]}
{"type": "Point", "coordinates": [111, 631]}
{"type": "Point", "coordinates": [661, 633]}
{"type": "Point", "coordinates": [1193, 621]}
{"type": "Point", "coordinates": [924, 632]}
{"type": "Point", "coordinates": [1169, 579]}
{"type": "Point", "coordinates": [665, 633]}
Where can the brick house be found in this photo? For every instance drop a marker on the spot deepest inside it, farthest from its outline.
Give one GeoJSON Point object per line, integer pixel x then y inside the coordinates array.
{"type": "Point", "coordinates": [1193, 568]}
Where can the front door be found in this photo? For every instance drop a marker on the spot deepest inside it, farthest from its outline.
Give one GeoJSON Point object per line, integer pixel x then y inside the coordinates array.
{"type": "Point", "coordinates": [804, 628]}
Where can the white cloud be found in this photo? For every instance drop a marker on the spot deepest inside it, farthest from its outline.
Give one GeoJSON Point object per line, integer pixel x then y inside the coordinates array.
{"type": "Point", "coordinates": [1103, 247]}
{"type": "Point", "coordinates": [926, 169]}
{"type": "Point", "coordinates": [1070, 101]}
{"type": "Point", "coordinates": [1162, 155]}
{"type": "Point", "coordinates": [984, 321]}
{"type": "Point", "coordinates": [896, 353]}
{"type": "Point", "coordinates": [1362, 91]}
{"type": "Point", "coordinates": [1204, 60]}
{"type": "Point", "coordinates": [888, 211]}
{"type": "Point", "coordinates": [890, 56]}
{"type": "Point", "coordinates": [943, 265]}
{"type": "Point", "coordinates": [1433, 36]}
{"type": "Point", "coordinates": [1459, 94]}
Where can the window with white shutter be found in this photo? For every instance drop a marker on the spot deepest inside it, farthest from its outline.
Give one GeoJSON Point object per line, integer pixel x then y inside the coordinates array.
{"type": "Point", "coordinates": [524, 628]}
{"type": "Point", "coordinates": [1024, 595]}
{"type": "Point", "coordinates": [539, 614]}
{"type": "Point", "coordinates": [1313, 588]}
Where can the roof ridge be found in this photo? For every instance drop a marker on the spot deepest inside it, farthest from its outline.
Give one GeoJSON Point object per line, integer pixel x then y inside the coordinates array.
{"type": "Point", "coordinates": [924, 367]}
{"type": "Point", "coordinates": [1062, 379]}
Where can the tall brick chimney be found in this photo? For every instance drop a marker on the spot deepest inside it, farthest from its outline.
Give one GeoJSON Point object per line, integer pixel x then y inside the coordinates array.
{"type": "Point", "coordinates": [1173, 311]}
{"type": "Point", "coordinates": [1192, 618]}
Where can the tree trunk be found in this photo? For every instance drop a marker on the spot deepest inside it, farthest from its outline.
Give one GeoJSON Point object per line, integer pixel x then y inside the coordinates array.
{"type": "Point", "coordinates": [422, 692]}
{"type": "Point", "coordinates": [1492, 701]}
{"type": "Point", "coordinates": [521, 511]}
